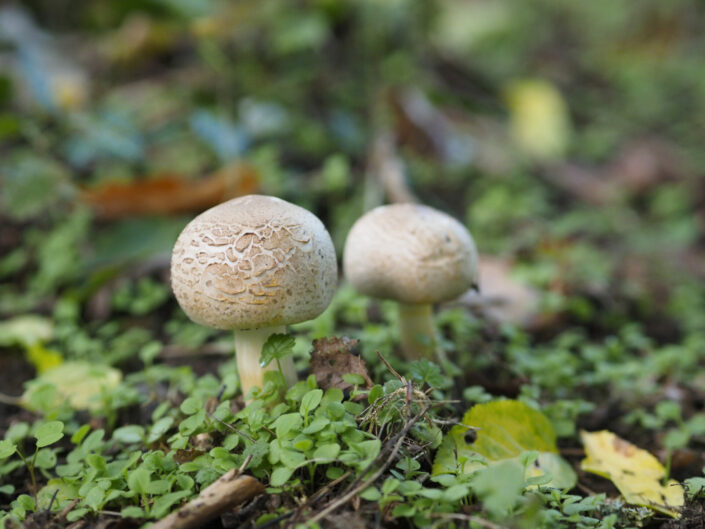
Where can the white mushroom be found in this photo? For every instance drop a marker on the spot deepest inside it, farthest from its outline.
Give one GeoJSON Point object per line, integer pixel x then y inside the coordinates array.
{"type": "Point", "coordinates": [414, 255]}
{"type": "Point", "coordinates": [253, 265]}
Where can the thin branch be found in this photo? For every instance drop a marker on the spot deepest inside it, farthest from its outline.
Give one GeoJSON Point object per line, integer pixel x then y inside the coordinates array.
{"type": "Point", "coordinates": [230, 426]}
{"type": "Point", "coordinates": [228, 491]}
{"type": "Point", "coordinates": [10, 400]}
{"type": "Point", "coordinates": [318, 495]}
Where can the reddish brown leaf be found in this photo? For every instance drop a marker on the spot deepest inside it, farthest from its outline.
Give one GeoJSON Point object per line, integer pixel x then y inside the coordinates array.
{"type": "Point", "coordinates": [170, 194]}
{"type": "Point", "coordinates": [332, 358]}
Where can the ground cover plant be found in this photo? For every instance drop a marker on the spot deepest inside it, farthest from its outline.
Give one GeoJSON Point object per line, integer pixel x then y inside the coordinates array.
{"type": "Point", "coordinates": [567, 392]}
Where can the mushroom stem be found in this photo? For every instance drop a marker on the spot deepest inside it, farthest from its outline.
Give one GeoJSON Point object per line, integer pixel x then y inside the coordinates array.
{"type": "Point", "coordinates": [417, 331]}
{"type": "Point", "coordinates": [248, 351]}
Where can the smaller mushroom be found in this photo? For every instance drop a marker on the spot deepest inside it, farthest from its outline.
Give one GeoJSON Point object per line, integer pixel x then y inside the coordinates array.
{"type": "Point", "coordinates": [416, 256]}
{"type": "Point", "coordinates": [253, 265]}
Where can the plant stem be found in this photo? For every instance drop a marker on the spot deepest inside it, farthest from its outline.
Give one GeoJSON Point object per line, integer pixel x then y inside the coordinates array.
{"type": "Point", "coordinates": [10, 400]}
{"type": "Point", "coordinates": [417, 331]}
{"type": "Point", "coordinates": [248, 350]}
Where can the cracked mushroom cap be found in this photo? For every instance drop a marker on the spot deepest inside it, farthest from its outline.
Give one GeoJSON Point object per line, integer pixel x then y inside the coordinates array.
{"type": "Point", "coordinates": [410, 253]}
{"type": "Point", "coordinates": [254, 261]}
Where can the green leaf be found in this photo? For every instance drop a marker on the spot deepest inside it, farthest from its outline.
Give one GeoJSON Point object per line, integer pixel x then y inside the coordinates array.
{"type": "Point", "coordinates": [257, 450]}
{"type": "Point", "coordinates": [327, 452]}
{"type": "Point", "coordinates": [316, 425]}
{"type": "Point", "coordinates": [17, 432]}
{"type": "Point", "coordinates": [404, 510]}
{"type": "Point", "coordinates": [310, 401]}
{"type": "Point", "coordinates": [280, 476]}
{"type": "Point", "coordinates": [192, 423]}
{"type": "Point", "coordinates": [424, 371]}
{"type": "Point", "coordinates": [7, 448]}
{"type": "Point", "coordinates": [132, 512]}
{"type": "Point", "coordinates": [49, 433]}
{"type": "Point", "coordinates": [132, 433]}
{"type": "Point", "coordinates": [94, 497]}
{"type": "Point", "coordinates": [277, 346]}
{"type": "Point", "coordinates": [76, 514]}
{"type": "Point", "coordinates": [354, 379]}
{"type": "Point", "coordinates": [371, 494]}
{"type": "Point", "coordinates": [80, 434]}
{"type": "Point", "coordinates": [162, 505]}
{"type": "Point", "coordinates": [191, 405]}
{"type": "Point", "coordinates": [159, 428]}
{"type": "Point", "coordinates": [501, 430]}
{"type": "Point", "coordinates": [286, 423]}
{"type": "Point", "coordinates": [499, 486]}
{"type": "Point", "coordinates": [7, 489]}
{"type": "Point", "coordinates": [375, 393]}
{"type": "Point", "coordinates": [138, 480]}
{"type": "Point", "coordinates": [46, 458]}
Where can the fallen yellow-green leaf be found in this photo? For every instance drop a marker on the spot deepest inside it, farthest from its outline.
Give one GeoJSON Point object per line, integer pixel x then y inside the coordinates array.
{"type": "Point", "coordinates": [499, 431]}
{"type": "Point", "coordinates": [635, 472]}
{"type": "Point", "coordinates": [79, 383]}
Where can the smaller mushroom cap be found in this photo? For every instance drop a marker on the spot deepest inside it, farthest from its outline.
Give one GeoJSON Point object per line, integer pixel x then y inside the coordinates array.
{"type": "Point", "coordinates": [252, 262]}
{"type": "Point", "coordinates": [410, 253]}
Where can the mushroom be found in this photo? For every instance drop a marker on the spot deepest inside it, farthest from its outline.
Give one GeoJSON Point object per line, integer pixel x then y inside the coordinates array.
{"type": "Point", "coordinates": [415, 255]}
{"type": "Point", "coordinates": [253, 265]}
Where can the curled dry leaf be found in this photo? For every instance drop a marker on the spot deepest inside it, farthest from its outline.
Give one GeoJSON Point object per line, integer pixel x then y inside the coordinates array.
{"type": "Point", "coordinates": [171, 194]}
{"type": "Point", "coordinates": [332, 358]}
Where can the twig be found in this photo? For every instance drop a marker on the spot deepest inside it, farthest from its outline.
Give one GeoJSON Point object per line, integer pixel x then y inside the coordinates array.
{"type": "Point", "coordinates": [244, 464]}
{"type": "Point", "coordinates": [354, 489]}
{"type": "Point", "coordinates": [66, 510]}
{"type": "Point", "coordinates": [230, 426]}
{"type": "Point", "coordinates": [318, 495]}
{"type": "Point", "coordinates": [391, 369]}
{"type": "Point", "coordinates": [10, 400]}
{"type": "Point", "coordinates": [110, 513]}
{"type": "Point", "coordinates": [586, 489]}
{"type": "Point", "coordinates": [228, 491]}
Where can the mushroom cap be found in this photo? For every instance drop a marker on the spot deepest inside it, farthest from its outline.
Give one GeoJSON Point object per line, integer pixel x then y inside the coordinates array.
{"type": "Point", "coordinates": [410, 253]}
{"type": "Point", "coordinates": [254, 261]}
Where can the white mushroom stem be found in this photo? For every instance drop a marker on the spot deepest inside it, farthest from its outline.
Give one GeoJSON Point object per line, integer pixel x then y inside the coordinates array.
{"type": "Point", "coordinates": [248, 351]}
{"type": "Point", "coordinates": [417, 331]}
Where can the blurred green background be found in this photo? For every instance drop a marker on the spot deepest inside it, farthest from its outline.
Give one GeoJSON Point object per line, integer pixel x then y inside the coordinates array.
{"type": "Point", "coordinates": [567, 135]}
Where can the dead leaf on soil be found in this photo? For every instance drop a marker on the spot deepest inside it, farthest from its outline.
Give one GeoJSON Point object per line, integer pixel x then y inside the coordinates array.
{"type": "Point", "coordinates": [332, 358]}
{"type": "Point", "coordinates": [635, 472]}
{"type": "Point", "coordinates": [170, 194]}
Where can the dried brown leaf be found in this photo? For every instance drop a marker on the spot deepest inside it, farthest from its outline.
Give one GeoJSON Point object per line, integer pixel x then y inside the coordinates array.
{"type": "Point", "coordinates": [170, 194]}
{"type": "Point", "coordinates": [332, 358]}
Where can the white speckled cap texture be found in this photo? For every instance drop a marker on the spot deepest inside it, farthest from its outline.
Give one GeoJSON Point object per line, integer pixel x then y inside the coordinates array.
{"type": "Point", "coordinates": [254, 261]}
{"type": "Point", "coordinates": [410, 253]}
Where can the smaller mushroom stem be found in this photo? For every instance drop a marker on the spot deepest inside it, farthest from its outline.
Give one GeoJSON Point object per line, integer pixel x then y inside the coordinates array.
{"type": "Point", "coordinates": [417, 331]}
{"type": "Point", "coordinates": [248, 351]}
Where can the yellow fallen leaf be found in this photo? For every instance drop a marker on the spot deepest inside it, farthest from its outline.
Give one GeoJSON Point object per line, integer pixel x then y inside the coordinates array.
{"type": "Point", "coordinates": [635, 472]}
{"type": "Point", "coordinates": [539, 119]}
